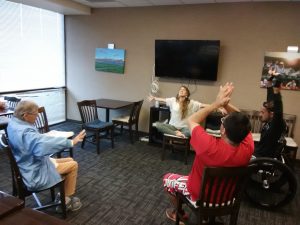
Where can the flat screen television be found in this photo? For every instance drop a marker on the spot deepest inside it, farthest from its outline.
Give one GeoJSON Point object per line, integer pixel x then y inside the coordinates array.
{"type": "Point", "coordinates": [187, 59]}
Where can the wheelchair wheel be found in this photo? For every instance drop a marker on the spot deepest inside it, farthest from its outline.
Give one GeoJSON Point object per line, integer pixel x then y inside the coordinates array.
{"type": "Point", "coordinates": [272, 184]}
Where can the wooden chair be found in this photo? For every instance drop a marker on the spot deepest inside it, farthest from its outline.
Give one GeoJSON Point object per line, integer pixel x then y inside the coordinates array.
{"type": "Point", "coordinates": [175, 142]}
{"type": "Point", "coordinates": [91, 123]}
{"type": "Point", "coordinates": [12, 103]}
{"type": "Point", "coordinates": [290, 121]}
{"type": "Point", "coordinates": [130, 120]}
{"type": "Point", "coordinates": [20, 190]}
{"type": "Point", "coordinates": [41, 123]}
{"type": "Point", "coordinates": [255, 122]}
{"type": "Point", "coordinates": [220, 195]}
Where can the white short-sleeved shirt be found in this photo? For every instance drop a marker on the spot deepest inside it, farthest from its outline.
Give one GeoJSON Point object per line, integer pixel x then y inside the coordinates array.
{"type": "Point", "coordinates": [176, 120]}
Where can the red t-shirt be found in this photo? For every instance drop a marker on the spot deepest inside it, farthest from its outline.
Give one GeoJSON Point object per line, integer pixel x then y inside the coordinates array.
{"type": "Point", "coordinates": [215, 152]}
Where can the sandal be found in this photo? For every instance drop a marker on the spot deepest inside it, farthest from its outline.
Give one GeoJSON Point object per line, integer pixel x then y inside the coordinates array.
{"type": "Point", "coordinates": [171, 214]}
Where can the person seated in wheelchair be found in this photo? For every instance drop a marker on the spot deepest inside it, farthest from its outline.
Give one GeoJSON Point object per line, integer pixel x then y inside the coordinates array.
{"type": "Point", "coordinates": [271, 114]}
{"type": "Point", "coordinates": [32, 150]}
{"type": "Point", "coordinates": [234, 148]}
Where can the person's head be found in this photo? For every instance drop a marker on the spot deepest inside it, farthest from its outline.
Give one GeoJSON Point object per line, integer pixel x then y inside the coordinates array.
{"type": "Point", "coordinates": [281, 64]}
{"type": "Point", "coordinates": [236, 126]}
{"type": "Point", "coordinates": [26, 111]}
{"type": "Point", "coordinates": [183, 97]}
{"type": "Point", "coordinates": [183, 92]}
{"type": "Point", "coordinates": [266, 112]}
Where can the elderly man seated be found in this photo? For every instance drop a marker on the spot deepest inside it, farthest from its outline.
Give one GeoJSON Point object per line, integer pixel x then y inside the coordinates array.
{"type": "Point", "coordinates": [32, 149]}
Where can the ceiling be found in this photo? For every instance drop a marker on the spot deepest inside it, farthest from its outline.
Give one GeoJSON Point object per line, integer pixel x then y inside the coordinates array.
{"type": "Point", "coordinates": [139, 3]}
{"type": "Point", "coordinates": [83, 7]}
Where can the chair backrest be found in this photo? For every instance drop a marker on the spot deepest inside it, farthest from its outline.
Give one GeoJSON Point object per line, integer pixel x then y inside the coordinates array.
{"type": "Point", "coordinates": [41, 122]}
{"type": "Point", "coordinates": [213, 121]}
{"type": "Point", "coordinates": [290, 121]}
{"type": "Point", "coordinates": [135, 111]}
{"type": "Point", "coordinates": [18, 183]}
{"type": "Point", "coordinates": [12, 101]}
{"type": "Point", "coordinates": [255, 122]}
{"type": "Point", "coordinates": [88, 110]}
{"type": "Point", "coordinates": [222, 188]}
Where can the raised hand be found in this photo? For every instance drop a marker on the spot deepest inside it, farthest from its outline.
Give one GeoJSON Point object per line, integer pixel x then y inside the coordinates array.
{"type": "Point", "coordinates": [151, 98]}
{"type": "Point", "coordinates": [79, 137]}
{"type": "Point", "coordinates": [224, 94]}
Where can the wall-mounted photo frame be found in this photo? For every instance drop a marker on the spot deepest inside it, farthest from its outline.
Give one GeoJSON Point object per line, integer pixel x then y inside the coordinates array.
{"type": "Point", "coordinates": [110, 60]}
{"type": "Point", "coordinates": [285, 65]}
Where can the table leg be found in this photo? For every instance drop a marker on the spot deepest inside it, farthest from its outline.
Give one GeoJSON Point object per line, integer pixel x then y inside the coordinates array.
{"type": "Point", "coordinates": [107, 115]}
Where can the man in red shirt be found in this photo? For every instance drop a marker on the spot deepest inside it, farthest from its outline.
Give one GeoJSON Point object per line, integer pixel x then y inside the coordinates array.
{"type": "Point", "coordinates": [234, 148]}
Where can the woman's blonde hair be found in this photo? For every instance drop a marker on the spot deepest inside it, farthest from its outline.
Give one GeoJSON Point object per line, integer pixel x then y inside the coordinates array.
{"type": "Point", "coordinates": [184, 104]}
{"type": "Point", "coordinates": [25, 107]}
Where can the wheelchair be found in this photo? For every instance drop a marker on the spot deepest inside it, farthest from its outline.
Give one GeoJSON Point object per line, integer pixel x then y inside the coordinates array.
{"type": "Point", "coordinates": [272, 183]}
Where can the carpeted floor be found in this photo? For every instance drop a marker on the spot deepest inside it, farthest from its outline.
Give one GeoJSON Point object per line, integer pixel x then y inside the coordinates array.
{"type": "Point", "coordinates": [124, 186]}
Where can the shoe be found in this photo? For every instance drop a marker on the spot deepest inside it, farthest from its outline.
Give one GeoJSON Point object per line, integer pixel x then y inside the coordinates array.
{"type": "Point", "coordinates": [171, 214]}
{"type": "Point", "coordinates": [74, 204]}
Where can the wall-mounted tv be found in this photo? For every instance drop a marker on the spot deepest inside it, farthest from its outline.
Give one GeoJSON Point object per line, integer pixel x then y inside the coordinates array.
{"type": "Point", "coordinates": [187, 59]}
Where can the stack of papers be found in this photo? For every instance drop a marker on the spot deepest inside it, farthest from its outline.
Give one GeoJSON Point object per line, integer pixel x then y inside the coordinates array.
{"type": "Point", "coordinates": [56, 133]}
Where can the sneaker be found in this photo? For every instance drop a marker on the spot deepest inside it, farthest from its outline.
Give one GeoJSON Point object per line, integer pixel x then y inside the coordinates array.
{"type": "Point", "coordinates": [74, 204]}
{"type": "Point", "coordinates": [171, 214]}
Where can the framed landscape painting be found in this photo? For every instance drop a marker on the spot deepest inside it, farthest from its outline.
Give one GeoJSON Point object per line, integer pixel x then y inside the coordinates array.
{"type": "Point", "coordinates": [284, 66]}
{"type": "Point", "coordinates": [110, 60]}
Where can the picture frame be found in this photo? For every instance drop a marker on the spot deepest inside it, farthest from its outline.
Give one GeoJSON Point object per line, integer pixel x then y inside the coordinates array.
{"type": "Point", "coordinates": [110, 60]}
{"type": "Point", "coordinates": [284, 66]}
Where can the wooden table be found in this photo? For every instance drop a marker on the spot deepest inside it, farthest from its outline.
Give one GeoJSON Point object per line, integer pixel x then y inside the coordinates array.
{"type": "Point", "coordinates": [9, 204]}
{"type": "Point", "coordinates": [12, 212]}
{"type": "Point", "coordinates": [109, 104]}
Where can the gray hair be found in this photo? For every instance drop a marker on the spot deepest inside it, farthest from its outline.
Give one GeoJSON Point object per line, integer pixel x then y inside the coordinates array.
{"type": "Point", "coordinates": [25, 107]}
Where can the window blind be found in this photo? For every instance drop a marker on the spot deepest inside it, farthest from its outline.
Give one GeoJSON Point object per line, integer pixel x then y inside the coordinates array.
{"type": "Point", "coordinates": [32, 51]}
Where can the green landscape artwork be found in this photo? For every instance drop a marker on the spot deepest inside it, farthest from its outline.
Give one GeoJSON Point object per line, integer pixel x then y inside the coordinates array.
{"type": "Point", "coordinates": [110, 60]}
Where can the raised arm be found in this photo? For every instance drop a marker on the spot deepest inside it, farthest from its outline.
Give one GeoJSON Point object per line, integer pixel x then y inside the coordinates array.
{"type": "Point", "coordinates": [153, 98]}
{"type": "Point", "coordinates": [222, 100]}
{"type": "Point", "coordinates": [231, 108]}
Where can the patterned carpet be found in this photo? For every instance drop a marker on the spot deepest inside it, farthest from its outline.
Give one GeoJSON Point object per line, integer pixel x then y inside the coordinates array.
{"type": "Point", "coordinates": [124, 186]}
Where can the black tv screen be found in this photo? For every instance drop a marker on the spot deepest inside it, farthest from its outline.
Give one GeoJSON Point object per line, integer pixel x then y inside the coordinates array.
{"type": "Point", "coordinates": [187, 59]}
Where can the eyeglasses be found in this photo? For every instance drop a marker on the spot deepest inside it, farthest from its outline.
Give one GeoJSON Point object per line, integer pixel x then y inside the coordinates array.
{"type": "Point", "coordinates": [33, 113]}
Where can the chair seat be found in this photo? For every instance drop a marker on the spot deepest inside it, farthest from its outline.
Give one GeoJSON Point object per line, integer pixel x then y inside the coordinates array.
{"type": "Point", "coordinates": [98, 124]}
{"type": "Point", "coordinates": [124, 119]}
{"type": "Point", "coordinates": [176, 137]}
{"type": "Point", "coordinates": [173, 140]}
{"type": "Point", "coordinates": [90, 122]}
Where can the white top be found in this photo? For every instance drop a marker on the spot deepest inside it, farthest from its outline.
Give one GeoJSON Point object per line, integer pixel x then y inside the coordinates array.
{"type": "Point", "coordinates": [176, 120]}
